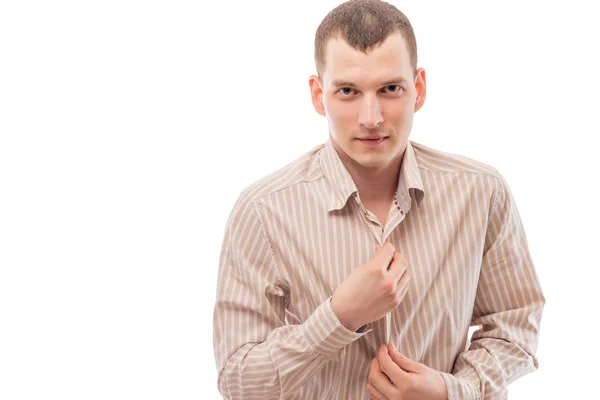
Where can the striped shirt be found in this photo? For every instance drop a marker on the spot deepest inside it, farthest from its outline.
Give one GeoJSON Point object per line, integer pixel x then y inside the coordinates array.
{"type": "Point", "coordinates": [295, 235]}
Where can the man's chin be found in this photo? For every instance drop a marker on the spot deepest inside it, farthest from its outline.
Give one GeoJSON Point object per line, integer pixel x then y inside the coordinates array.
{"type": "Point", "coordinates": [370, 162]}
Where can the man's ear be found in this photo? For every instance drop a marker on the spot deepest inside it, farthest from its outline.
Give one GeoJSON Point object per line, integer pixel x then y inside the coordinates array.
{"type": "Point", "coordinates": [421, 86]}
{"type": "Point", "coordinates": [316, 93]}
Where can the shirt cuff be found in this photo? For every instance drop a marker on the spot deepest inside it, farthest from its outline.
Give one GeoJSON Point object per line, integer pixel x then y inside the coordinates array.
{"type": "Point", "coordinates": [326, 333]}
{"type": "Point", "coordinates": [460, 388]}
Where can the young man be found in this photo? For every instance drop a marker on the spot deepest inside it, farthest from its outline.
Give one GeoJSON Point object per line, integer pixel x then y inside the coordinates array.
{"type": "Point", "coordinates": [357, 270]}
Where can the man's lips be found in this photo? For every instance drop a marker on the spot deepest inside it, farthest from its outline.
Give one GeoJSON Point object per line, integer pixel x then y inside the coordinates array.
{"type": "Point", "coordinates": [373, 142]}
{"type": "Point", "coordinates": [372, 138]}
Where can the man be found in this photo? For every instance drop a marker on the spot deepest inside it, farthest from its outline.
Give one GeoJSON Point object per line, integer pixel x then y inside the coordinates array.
{"type": "Point", "coordinates": [357, 270]}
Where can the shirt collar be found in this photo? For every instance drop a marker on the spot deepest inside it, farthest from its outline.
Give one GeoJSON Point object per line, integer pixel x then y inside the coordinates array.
{"type": "Point", "coordinates": [343, 186]}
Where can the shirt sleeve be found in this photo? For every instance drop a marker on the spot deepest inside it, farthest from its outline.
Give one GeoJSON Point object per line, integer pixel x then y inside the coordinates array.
{"type": "Point", "coordinates": [508, 310]}
{"type": "Point", "coordinates": [258, 355]}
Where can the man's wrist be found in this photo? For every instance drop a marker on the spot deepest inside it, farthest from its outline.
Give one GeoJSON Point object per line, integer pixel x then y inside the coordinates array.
{"type": "Point", "coordinates": [324, 332]}
{"type": "Point", "coordinates": [348, 325]}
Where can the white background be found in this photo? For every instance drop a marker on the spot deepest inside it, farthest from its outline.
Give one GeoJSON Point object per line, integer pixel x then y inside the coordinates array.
{"type": "Point", "coordinates": [128, 128]}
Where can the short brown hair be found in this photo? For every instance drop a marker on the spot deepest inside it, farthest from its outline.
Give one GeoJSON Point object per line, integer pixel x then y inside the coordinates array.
{"type": "Point", "coordinates": [363, 24]}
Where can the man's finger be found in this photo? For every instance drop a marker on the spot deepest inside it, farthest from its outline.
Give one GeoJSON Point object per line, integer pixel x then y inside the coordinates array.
{"type": "Point", "coordinates": [402, 361]}
{"type": "Point", "coordinates": [391, 370]}
{"type": "Point", "coordinates": [381, 382]}
{"type": "Point", "coordinates": [398, 266]}
{"type": "Point", "coordinates": [375, 394]}
{"type": "Point", "coordinates": [385, 256]}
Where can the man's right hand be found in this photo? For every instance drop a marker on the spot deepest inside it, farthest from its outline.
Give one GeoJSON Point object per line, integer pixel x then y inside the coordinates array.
{"type": "Point", "coordinates": [373, 289]}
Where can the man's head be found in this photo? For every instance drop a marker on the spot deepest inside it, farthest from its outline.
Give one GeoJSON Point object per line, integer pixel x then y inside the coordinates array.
{"type": "Point", "coordinates": [368, 84]}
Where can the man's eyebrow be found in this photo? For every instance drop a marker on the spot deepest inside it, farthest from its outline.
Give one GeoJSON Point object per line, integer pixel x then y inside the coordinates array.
{"type": "Point", "coordinates": [395, 80]}
{"type": "Point", "coordinates": [343, 83]}
{"type": "Point", "coordinates": [339, 82]}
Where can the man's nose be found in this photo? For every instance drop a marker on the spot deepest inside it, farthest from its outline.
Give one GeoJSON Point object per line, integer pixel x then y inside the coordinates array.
{"type": "Point", "coordinates": [370, 112]}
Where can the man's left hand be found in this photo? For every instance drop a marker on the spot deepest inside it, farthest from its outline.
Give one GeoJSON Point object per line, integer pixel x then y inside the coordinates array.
{"type": "Point", "coordinates": [394, 376]}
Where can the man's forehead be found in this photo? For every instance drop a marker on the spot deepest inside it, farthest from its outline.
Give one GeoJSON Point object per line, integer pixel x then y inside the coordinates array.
{"type": "Point", "coordinates": [386, 62]}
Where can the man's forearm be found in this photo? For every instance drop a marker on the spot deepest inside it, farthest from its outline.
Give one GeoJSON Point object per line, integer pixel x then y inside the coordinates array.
{"type": "Point", "coordinates": [287, 359]}
{"type": "Point", "coordinates": [490, 364]}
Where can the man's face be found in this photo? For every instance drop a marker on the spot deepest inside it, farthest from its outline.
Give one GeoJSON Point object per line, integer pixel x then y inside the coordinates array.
{"type": "Point", "coordinates": [369, 96]}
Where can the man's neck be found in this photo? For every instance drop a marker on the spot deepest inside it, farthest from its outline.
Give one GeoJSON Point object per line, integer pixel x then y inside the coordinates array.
{"type": "Point", "coordinates": [374, 185]}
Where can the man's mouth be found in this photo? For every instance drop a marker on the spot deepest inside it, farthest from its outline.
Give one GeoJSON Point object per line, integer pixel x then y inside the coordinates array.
{"type": "Point", "coordinates": [373, 142]}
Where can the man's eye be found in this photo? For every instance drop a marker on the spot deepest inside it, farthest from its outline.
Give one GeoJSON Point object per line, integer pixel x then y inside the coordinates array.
{"type": "Point", "coordinates": [389, 89]}
{"type": "Point", "coordinates": [393, 88]}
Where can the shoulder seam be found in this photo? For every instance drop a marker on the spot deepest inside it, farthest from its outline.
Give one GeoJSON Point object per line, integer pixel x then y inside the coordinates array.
{"type": "Point", "coordinates": [496, 194]}
{"type": "Point", "coordinates": [289, 186]}
{"type": "Point", "coordinates": [262, 225]}
{"type": "Point", "coordinates": [460, 172]}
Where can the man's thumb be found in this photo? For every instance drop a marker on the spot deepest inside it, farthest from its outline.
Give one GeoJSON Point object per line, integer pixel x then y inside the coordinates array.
{"type": "Point", "coordinates": [402, 361]}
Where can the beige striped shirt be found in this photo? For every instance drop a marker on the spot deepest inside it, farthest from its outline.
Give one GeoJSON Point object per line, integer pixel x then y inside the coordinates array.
{"type": "Point", "coordinates": [296, 234]}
